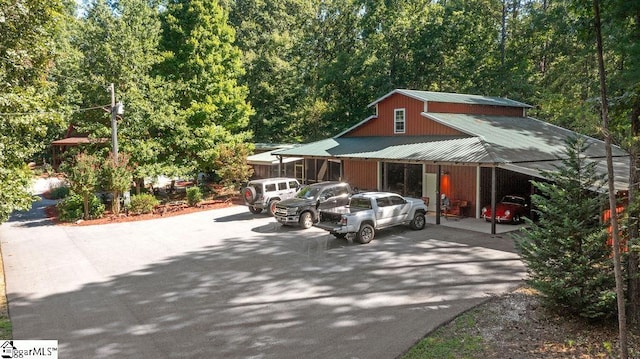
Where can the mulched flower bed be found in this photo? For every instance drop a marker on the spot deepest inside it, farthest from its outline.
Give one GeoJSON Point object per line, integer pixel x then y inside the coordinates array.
{"type": "Point", "coordinates": [173, 208]}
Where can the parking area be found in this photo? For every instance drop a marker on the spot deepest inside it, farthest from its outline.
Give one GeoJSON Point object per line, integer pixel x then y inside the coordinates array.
{"type": "Point", "coordinates": [227, 283]}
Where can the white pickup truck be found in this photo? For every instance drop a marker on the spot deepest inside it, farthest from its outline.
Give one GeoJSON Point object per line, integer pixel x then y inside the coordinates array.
{"type": "Point", "coordinates": [370, 211]}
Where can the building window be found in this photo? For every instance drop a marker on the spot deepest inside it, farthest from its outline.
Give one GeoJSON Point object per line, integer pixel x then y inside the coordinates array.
{"type": "Point", "coordinates": [398, 121]}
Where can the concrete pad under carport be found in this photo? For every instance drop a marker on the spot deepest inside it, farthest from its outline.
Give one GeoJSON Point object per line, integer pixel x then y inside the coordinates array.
{"type": "Point", "coordinates": [475, 224]}
{"type": "Point", "coordinates": [225, 283]}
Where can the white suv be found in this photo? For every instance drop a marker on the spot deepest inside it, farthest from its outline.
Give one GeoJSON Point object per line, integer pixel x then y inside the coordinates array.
{"type": "Point", "coordinates": [266, 193]}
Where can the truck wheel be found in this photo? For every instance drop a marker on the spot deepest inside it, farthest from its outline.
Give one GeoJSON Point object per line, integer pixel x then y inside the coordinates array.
{"type": "Point", "coordinates": [366, 233]}
{"type": "Point", "coordinates": [255, 210]}
{"type": "Point", "coordinates": [249, 194]}
{"type": "Point", "coordinates": [306, 220]}
{"type": "Point", "coordinates": [272, 206]}
{"type": "Point", "coordinates": [418, 221]}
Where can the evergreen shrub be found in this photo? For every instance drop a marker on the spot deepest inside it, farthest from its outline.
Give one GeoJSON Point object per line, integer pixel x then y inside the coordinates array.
{"type": "Point", "coordinates": [143, 203]}
{"type": "Point", "coordinates": [194, 195]}
{"type": "Point", "coordinates": [72, 208]}
{"type": "Point", "coordinates": [59, 192]}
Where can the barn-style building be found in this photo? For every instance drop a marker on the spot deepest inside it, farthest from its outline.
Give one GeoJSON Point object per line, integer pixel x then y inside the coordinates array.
{"type": "Point", "coordinates": [423, 144]}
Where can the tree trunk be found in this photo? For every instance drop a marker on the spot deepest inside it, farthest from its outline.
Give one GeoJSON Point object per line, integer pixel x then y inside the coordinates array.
{"type": "Point", "coordinates": [139, 185]}
{"type": "Point", "coordinates": [85, 202]}
{"type": "Point", "coordinates": [115, 204]}
{"type": "Point", "coordinates": [633, 264]}
{"type": "Point", "coordinates": [633, 286]}
{"type": "Point", "coordinates": [622, 320]}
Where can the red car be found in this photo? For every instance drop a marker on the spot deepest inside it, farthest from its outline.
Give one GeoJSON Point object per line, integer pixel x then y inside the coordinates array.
{"type": "Point", "coordinates": [510, 209]}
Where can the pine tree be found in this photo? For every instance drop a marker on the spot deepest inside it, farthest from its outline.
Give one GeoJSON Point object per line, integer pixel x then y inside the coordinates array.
{"type": "Point", "coordinates": [566, 250]}
{"type": "Point", "coordinates": [204, 65]}
{"type": "Point", "coordinates": [119, 43]}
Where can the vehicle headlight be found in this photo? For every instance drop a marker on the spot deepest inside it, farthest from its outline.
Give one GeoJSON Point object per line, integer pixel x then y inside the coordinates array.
{"type": "Point", "coordinates": [484, 210]}
{"type": "Point", "coordinates": [292, 210]}
{"type": "Point", "coordinates": [507, 212]}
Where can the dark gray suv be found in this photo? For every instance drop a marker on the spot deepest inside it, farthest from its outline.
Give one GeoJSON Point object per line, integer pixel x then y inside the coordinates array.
{"type": "Point", "coordinates": [303, 208]}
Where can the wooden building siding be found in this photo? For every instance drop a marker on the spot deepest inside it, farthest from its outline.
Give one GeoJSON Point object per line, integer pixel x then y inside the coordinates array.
{"type": "Point", "coordinates": [462, 186]}
{"type": "Point", "coordinates": [361, 174]}
{"type": "Point", "coordinates": [415, 124]}
{"type": "Point", "coordinates": [445, 107]}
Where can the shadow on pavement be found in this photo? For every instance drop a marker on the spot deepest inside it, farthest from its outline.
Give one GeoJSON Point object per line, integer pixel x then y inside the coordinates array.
{"type": "Point", "coordinates": [34, 217]}
{"type": "Point", "coordinates": [316, 297]}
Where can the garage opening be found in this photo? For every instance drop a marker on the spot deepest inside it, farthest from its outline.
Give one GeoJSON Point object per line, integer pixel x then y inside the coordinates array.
{"type": "Point", "coordinates": [507, 183]}
{"type": "Point", "coordinates": [402, 178]}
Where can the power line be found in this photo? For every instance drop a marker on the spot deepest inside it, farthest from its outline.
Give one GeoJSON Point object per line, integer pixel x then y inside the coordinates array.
{"type": "Point", "coordinates": [51, 112]}
{"type": "Point", "coordinates": [55, 74]}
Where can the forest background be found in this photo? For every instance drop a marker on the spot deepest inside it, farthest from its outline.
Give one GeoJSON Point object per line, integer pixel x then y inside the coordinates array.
{"type": "Point", "coordinates": [203, 80]}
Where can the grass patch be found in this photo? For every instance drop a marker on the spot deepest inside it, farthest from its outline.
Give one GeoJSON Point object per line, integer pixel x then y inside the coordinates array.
{"type": "Point", "coordinates": [450, 342]}
{"type": "Point", "coordinates": [6, 331]}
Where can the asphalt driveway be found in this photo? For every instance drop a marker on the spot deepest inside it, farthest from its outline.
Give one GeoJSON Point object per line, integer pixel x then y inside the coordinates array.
{"type": "Point", "coordinates": [228, 284]}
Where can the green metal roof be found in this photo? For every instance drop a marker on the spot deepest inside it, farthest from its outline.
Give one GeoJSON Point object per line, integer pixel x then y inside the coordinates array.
{"type": "Point", "coordinates": [519, 139]}
{"type": "Point", "coordinates": [521, 144]}
{"type": "Point", "coordinates": [489, 139]}
{"type": "Point", "coordinates": [452, 149]}
{"type": "Point", "coordinates": [455, 98]}
{"type": "Point", "coordinates": [620, 169]}
{"type": "Point", "coordinates": [268, 158]}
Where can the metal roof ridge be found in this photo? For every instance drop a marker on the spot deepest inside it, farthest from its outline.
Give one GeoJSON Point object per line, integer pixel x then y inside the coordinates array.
{"type": "Point", "coordinates": [485, 144]}
{"type": "Point", "coordinates": [388, 94]}
{"type": "Point", "coordinates": [431, 116]}
{"type": "Point", "coordinates": [491, 153]}
{"type": "Point", "coordinates": [412, 93]}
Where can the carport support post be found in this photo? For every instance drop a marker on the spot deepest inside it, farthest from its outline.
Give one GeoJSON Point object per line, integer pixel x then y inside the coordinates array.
{"type": "Point", "coordinates": [279, 165]}
{"type": "Point", "coordinates": [439, 171]}
{"type": "Point", "coordinates": [493, 200]}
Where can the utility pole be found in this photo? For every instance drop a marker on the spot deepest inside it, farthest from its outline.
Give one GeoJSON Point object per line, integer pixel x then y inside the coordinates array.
{"type": "Point", "coordinates": [116, 109]}
{"type": "Point", "coordinates": [114, 124]}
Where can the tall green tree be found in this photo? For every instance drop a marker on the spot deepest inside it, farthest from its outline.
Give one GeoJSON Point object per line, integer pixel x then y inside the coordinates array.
{"type": "Point", "coordinates": [623, 18]}
{"type": "Point", "coordinates": [613, 220]}
{"type": "Point", "coordinates": [120, 44]}
{"type": "Point", "coordinates": [269, 34]}
{"type": "Point", "coordinates": [204, 65]}
{"type": "Point", "coordinates": [27, 104]}
{"type": "Point", "coordinates": [550, 55]}
{"type": "Point", "coordinates": [566, 250]}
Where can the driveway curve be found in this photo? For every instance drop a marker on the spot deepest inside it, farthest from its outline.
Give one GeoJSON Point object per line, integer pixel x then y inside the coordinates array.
{"type": "Point", "coordinates": [228, 284]}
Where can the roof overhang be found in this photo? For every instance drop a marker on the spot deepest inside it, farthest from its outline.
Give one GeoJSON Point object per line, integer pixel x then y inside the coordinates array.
{"type": "Point", "coordinates": [537, 169]}
{"type": "Point", "coordinates": [432, 149]}
{"type": "Point", "coordinates": [269, 158]}
{"type": "Point", "coordinates": [73, 141]}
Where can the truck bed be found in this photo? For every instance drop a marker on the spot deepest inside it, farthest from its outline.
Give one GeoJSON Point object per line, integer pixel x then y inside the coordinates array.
{"type": "Point", "coordinates": [333, 215]}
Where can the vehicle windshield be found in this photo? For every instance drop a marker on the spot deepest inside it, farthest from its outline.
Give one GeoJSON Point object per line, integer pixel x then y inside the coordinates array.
{"type": "Point", "coordinates": [513, 199]}
{"type": "Point", "coordinates": [308, 192]}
